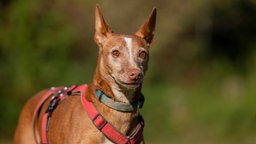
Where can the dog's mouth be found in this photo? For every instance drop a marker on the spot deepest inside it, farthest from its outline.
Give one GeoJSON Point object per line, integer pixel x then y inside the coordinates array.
{"type": "Point", "coordinates": [129, 85]}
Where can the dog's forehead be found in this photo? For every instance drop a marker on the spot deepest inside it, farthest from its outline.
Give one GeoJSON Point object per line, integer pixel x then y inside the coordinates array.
{"type": "Point", "coordinates": [122, 40]}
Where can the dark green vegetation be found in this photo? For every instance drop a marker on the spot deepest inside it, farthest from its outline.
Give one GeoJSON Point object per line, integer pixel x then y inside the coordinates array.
{"type": "Point", "coordinates": [201, 83]}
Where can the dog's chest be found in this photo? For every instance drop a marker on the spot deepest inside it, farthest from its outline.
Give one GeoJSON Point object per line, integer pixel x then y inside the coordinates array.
{"type": "Point", "coordinates": [106, 141]}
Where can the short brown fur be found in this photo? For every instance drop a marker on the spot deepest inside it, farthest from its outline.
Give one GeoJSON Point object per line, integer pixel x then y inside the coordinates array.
{"type": "Point", "coordinates": [69, 122]}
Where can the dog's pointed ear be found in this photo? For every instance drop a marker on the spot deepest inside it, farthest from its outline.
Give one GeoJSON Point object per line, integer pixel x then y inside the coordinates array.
{"type": "Point", "coordinates": [102, 29]}
{"type": "Point", "coordinates": [146, 31]}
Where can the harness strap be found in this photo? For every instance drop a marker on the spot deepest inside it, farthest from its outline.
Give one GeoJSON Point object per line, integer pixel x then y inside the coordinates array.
{"type": "Point", "coordinates": [39, 106]}
{"type": "Point", "coordinates": [107, 129]}
{"type": "Point", "coordinates": [44, 129]}
{"type": "Point", "coordinates": [59, 93]}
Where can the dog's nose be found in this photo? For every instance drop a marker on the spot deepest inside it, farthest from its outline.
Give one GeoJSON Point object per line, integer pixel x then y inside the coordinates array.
{"type": "Point", "coordinates": [135, 74]}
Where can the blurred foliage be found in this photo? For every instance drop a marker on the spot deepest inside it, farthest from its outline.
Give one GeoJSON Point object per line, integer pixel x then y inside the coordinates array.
{"type": "Point", "coordinates": [200, 87]}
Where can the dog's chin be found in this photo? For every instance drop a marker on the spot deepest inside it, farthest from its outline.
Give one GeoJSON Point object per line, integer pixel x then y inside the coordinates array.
{"type": "Point", "coordinates": [128, 85]}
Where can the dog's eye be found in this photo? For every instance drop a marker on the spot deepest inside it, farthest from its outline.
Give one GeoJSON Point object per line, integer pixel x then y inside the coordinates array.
{"type": "Point", "coordinates": [142, 54]}
{"type": "Point", "coordinates": [115, 53]}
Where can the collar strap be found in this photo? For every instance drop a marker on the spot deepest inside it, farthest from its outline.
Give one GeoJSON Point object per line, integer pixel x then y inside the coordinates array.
{"type": "Point", "coordinates": [119, 106]}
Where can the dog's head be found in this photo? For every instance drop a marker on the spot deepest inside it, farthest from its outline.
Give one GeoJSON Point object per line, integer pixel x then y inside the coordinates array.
{"type": "Point", "coordinates": [123, 59]}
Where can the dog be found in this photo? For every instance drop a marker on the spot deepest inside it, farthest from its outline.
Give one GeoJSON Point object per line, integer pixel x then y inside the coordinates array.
{"type": "Point", "coordinates": [105, 111]}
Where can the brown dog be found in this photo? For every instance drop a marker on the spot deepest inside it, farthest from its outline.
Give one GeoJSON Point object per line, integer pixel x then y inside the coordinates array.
{"type": "Point", "coordinates": [115, 94]}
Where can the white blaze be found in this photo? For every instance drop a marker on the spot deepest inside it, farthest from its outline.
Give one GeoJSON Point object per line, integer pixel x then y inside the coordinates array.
{"type": "Point", "coordinates": [128, 42]}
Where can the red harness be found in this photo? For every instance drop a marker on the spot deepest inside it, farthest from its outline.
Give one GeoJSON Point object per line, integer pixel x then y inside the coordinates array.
{"type": "Point", "coordinates": [59, 93]}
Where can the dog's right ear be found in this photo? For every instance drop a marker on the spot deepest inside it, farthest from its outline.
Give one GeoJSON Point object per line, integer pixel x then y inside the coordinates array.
{"type": "Point", "coordinates": [102, 30]}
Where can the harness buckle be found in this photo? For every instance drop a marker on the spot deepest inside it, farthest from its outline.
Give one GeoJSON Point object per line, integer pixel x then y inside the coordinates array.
{"type": "Point", "coordinates": [99, 121]}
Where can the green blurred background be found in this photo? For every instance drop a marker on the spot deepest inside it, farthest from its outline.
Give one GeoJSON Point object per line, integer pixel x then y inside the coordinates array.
{"type": "Point", "coordinates": [201, 83]}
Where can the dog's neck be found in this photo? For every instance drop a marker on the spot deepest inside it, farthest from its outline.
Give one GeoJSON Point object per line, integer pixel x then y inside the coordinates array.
{"type": "Point", "coordinates": [125, 122]}
{"type": "Point", "coordinates": [123, 95]}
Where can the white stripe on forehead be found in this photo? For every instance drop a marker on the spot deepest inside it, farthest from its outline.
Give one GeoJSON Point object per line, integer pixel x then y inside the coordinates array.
{"type": "Point", "coordinates": [128, 42]}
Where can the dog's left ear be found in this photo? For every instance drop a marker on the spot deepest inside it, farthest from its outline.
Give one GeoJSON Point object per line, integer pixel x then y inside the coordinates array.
{"type": "Point", "coordinates": [146, 31]}
{"type": "Point", "coordinates": [102, 30]}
